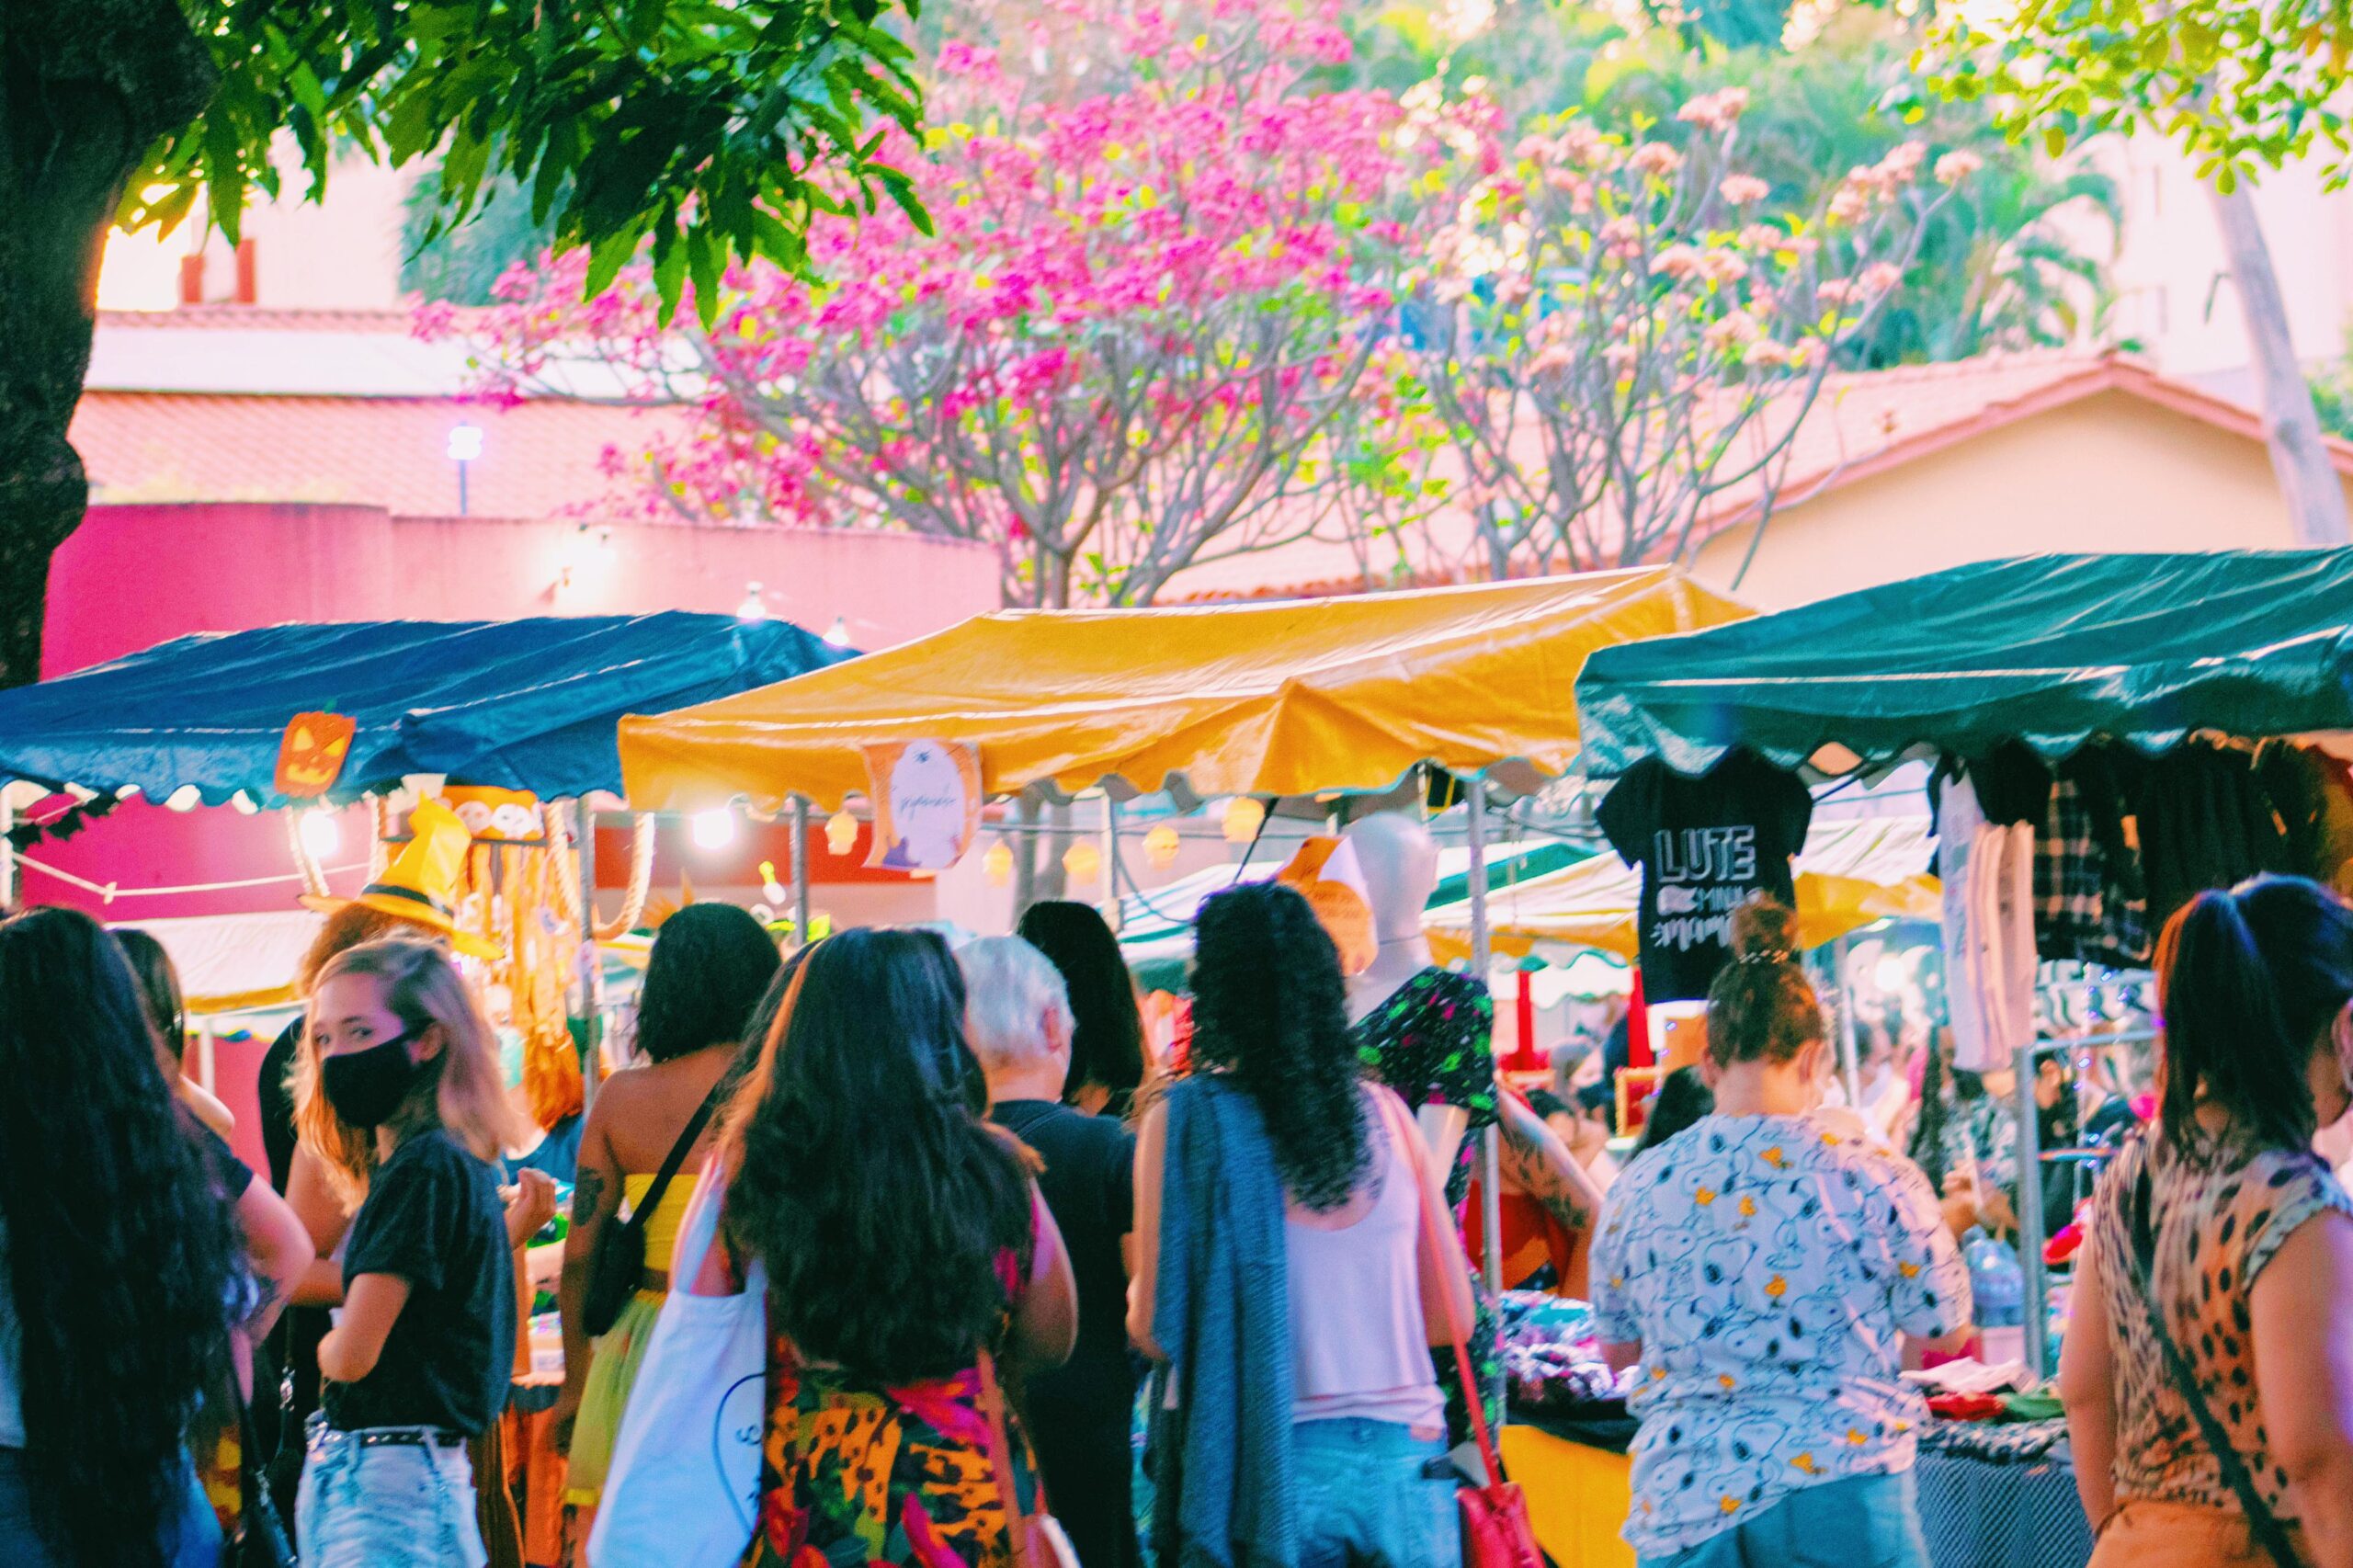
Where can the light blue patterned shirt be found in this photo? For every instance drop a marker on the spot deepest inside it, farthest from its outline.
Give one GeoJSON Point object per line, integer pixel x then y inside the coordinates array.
{"type": "Point", "coordinates": [1767, 1264]}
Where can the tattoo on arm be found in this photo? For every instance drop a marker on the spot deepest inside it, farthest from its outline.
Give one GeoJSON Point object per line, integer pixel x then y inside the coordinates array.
{"type": "Point", "coordinates": [1527, 1158]}
{"type": "Point", "coordinates": [587, 1196]}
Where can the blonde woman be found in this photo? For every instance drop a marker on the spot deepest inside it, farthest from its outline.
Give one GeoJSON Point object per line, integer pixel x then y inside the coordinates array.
{"type": "Point", "coordinates": [418, 1361]}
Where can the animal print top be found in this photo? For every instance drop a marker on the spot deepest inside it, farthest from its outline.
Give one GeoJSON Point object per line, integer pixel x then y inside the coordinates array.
{"type": "Point", "coordinates": [2218, 1221]}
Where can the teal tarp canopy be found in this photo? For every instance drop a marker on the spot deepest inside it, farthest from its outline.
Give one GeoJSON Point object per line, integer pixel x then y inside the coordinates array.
{"type": "Point", "coordinates": [530, 704]}
{"type": "Point", "coordinates": [2050, 649]}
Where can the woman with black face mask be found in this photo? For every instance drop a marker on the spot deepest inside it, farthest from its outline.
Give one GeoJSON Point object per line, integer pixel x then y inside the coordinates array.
{"type": "Point", "coordinates": [418, 1362]}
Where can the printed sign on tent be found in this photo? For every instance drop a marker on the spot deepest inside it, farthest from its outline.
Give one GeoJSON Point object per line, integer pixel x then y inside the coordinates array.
{"type": "Point", "coordinates": [927, 798]}
{"type": "Point", "coordinates": [310, 756]}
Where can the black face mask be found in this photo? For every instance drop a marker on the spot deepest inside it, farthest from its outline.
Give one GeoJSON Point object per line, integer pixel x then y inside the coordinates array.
{"type": "Point", "coordinates": [367, 1087]}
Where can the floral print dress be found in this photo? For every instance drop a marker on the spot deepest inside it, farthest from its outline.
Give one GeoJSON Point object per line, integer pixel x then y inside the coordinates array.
{"type": "Point", "coordinates": [855, 1472]}
{"type": "Point", "coordinates": [1432, 1042]}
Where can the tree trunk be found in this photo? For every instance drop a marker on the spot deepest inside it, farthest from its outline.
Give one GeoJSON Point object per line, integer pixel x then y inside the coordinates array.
{"type": "Point", "coordinates": [84, 90]}
{"type": "Point", "coordinates": [2308, 480]}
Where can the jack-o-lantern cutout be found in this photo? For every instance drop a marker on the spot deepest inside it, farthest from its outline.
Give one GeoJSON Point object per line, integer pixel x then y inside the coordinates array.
{"type": "Point", "coordinates": [310, 758]}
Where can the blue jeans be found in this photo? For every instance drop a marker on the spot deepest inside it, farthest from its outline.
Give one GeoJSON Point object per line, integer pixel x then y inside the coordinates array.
{"type": "Point", "coordinates": [191, 1540]}
{"type": "Point", "coordinates": [1864, 1521]}
{"type": "Point", "coordinates": [1374, 1496]}
{"type": "Point", "coordinates": [385, 1506]}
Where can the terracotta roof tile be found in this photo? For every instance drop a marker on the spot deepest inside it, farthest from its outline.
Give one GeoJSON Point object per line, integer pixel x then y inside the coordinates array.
{"type": "Point", "coordinates": [539, 460]}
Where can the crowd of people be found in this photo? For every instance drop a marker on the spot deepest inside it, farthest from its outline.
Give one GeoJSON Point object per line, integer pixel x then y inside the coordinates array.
{"type": "Point", "coordinates": [972, 1187]}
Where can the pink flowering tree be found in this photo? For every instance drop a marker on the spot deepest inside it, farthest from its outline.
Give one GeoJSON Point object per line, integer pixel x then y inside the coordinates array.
{"type": "Point", "coordinates": [1157, 263]}
{"type": "Point", "coordinates": [1623, 353]}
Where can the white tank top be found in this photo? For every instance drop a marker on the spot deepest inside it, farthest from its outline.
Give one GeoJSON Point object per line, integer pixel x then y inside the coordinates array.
{"type": "Point", "coordinates": [1357, 1343]}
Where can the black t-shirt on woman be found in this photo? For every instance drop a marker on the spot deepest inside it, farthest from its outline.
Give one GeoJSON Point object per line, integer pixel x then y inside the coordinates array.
{"type": "Point", "coordinates": [433, 1217]}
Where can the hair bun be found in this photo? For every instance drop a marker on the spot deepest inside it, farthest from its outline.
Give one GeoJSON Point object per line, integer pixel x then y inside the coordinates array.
{"type": "Point", "coordinates": [1764, 930]}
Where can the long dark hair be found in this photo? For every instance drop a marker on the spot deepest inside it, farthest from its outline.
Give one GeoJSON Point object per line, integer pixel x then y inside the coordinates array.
{"type": "Point", "coordinates": [1107, 1034]}
{"type": "Point", "coordinates": [865, 1105]}
{"type": "Point", "coordinates": [2248, 983]}
{"type": "Point", "coordinates": [1683, 1098]}
{"type": "Point", "coordinates": [120, 1257]}
{"type": "Point", "coordinates": [1271, 1010]}
{"type": "Point", "coordinates": [709, 965]}
{"type": "Point", "coordinates": [159, 987]}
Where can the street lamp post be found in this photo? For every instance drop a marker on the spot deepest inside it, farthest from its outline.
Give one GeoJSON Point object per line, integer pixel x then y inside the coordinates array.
{"type": "Point", "coordinates": [465, 446]}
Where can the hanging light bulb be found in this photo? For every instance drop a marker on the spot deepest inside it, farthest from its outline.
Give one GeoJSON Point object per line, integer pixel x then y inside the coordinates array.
{"type": "Point", "coordinates": [321, 836]}
{"type": "Point", "coordinates": [770, 888]}
{"type": "Point", "coordinates": [1160, 847]}
{"type": "Point", "coordinates": [1244, 816]}
{"type": "Point", "coordinates": [753, 608]}
{"type": "Point", "coordinates": [714, 829]}
{"type": "Point", "coordinates": [837, 635]}
{"type": "Point", "coordinates": [841, 832]}
{"type": "Point", "coordinates": [1083, 861]}
{"type": "Point", "coordinates": [998, 863]}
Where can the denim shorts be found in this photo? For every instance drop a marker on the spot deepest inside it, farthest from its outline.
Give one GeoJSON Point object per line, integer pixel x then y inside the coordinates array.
{"type": "Point", "coordinates": [1374, 1496]}
{"type": "Point", "coordinates": [385, 1505]}
{"type": "Point", "coordinates": [1864, 1521]}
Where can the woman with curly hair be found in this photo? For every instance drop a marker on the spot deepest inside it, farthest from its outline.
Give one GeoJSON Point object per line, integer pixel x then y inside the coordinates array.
{"type": "Point", "coordinates": [910, 1262]}
{"type": "Point", "coordinates": [709, 965]}
{"type": "Point", "coordinates": [119, 1269]}
{"type": "Point", "coordinates": [1283, 1273]}
{"type": "Point", "coordinates": [419, 1360]}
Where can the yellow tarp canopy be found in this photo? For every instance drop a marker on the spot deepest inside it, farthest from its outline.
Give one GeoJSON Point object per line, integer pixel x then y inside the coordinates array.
{"type": "Point", "coordinates": [1849, 874]}
{"type": "Point", "coordinates": [1284, 699]}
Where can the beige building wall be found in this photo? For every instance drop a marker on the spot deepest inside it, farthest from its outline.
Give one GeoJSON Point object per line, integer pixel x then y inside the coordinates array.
{"type": "Point", "coordinates": [2110, 472]}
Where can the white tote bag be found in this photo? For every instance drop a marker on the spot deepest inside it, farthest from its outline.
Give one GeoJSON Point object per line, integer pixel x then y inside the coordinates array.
{"type": "Point", "coordinates": [683, 1491]}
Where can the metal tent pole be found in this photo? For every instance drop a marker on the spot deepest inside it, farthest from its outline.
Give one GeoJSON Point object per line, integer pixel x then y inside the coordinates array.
{"type": "Point", "coordinates": [1491, 1153]}
{"type": "Point", "coordinates": [1111, 862]}
{"type": "Point", "coordinates": [800, 870]}
{"type": "Point", "coordinates": [2030, 1236]}
{"type": "Point", "coordinates": [591, 1024]}
{"type": "Point", "coordinates": [1849, 1066]}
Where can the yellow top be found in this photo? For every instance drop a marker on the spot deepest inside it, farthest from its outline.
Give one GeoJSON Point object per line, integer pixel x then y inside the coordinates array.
{"type": "Point", "coordinates": [1280, 698]}
{"type": "Point", "coordinates": [662, 1225]}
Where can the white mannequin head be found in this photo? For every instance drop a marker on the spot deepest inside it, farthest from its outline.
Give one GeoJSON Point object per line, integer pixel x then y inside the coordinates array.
{"type": "Point", "coordinates": [1400, 866]}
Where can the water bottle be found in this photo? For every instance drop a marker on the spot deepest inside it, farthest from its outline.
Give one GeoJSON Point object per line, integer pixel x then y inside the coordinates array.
{"type": "Point", "coordinates": [1998, 1285]}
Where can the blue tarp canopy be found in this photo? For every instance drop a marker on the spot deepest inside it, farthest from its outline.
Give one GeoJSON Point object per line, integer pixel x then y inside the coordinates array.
{"type": "Point", "coordinates": [532, 704]}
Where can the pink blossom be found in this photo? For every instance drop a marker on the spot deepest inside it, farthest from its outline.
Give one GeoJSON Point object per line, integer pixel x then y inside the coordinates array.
{"type": "Point", "coordinates": [1741, 190]}
{"type": "Point", "coordinates": [1880, 277]}
{"type": "Point", "coordinates": [1679, 261]}
{"type": "Point", "coordinates": [1957, 165]}
{"type": "Point", "coordinates": [1715, 111]}
{"type": "Point", "coordinates": [1656, 158]}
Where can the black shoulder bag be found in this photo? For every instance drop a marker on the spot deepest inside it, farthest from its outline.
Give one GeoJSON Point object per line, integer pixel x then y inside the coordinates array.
{"type": "Point", "coordinates": [2269, 1532]}
{"type": "Point", "coordinates": [619, 1263]}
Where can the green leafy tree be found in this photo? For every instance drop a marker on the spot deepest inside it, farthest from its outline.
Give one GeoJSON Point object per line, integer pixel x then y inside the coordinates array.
{"type": "Point", "coordinates": [699, 129]}
{"type": "Point", "coordinates": [463, 265]}
{"type": "Point", "coordinates": [2241, 87]}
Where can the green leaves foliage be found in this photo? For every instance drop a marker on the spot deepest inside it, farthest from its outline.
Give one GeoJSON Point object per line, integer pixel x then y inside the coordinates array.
{"type": "Point", "coordinates": [716, 127]}
{"type": "Point", "coordinates": [2240, 85]}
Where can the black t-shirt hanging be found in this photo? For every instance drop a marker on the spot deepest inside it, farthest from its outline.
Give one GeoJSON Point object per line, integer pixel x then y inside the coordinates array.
{"type": "Point", "coordinates": [1705, 846]}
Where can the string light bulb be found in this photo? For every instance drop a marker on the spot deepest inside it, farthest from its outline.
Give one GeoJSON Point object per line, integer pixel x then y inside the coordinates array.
{"type": "Point", "coordinates": [841, 832]}
{"type": "Point", "coordinates": [1160, 847]}
{"type": "Point", "coordinates": [770, 888]}
{"type": "Point", "coordinates": [321, 834]}
{"type": "Point", "coordinates": [1083, 861]}
{"type": "Point", "coordinates": [1243, 817]}
{"type": "Point", "coordinates": [714, 829]}
{"type": "Point", "coordinates": [998, 863]}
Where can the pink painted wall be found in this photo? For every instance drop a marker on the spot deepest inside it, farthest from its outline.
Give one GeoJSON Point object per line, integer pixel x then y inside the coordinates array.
{"type": "Point", "coordinates": [136, 574]}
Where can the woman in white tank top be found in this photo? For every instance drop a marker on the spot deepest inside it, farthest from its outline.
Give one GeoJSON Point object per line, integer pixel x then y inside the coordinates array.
{"type": "Point", "coordinates": [1364, 1297]}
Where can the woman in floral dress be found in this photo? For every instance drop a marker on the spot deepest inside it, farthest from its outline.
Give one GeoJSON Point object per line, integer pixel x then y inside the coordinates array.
{"type": "Point", "coordinates": [1431, 1041]}
{"type": "Point", "coordinates": [910, 1262]}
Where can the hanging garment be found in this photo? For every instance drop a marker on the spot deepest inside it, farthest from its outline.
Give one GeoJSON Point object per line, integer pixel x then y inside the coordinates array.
{"type": "Point", "coordinates": [1987, 870]}
{"type": "Point", "coordinates": [2206, 822]}
{"type": "Point", "coordinates": [1706, 846]}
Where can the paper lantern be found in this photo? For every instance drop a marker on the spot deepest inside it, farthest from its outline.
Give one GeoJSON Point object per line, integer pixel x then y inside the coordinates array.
{"type": "Point", "coordinates": [1160, 847]}
{"type": "Point", "coordinates": [841, 833]}
{"type": "Point", "coordinates": [1244, 816]}
{"type": "Point", "coordinates": [1083, 861]}
{"type": "Point", "coordinates": [998, 864]}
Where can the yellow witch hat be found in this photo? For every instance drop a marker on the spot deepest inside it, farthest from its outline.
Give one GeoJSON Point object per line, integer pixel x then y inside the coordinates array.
{"type": "Point", "coordinates": [417, 886]}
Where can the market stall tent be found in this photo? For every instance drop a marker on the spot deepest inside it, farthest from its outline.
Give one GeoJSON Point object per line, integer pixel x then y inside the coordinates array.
{"type": "Point", "coordinates": [2052, 650]}
{"type": "Point", "coordinates": [1851, 874]}
{"type": "Point", "coordinates": [528, 704]}
{"type": "Point", "coordinates": [1284, 699]}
